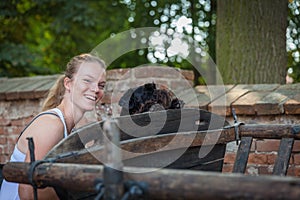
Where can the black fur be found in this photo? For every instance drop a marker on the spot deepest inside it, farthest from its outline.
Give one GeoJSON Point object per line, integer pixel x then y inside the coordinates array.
{"type": "Point", "coordinates": [147, 98]}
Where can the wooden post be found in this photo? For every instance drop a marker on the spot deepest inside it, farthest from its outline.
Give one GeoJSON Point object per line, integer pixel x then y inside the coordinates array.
{"type": "Point", "coordinates": [283, 157]}
{"type": "Point", "coordinates": [112, 174]}
{"type": "Point", "coordinates": [242, 155]}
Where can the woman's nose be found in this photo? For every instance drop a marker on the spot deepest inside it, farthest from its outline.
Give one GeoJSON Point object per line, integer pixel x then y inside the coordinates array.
{"type": "Point", "coordinates": [95, 88]}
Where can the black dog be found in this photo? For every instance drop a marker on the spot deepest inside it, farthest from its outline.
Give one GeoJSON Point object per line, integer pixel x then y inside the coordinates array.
{"type": "Point", "coordinates": [147, 98]}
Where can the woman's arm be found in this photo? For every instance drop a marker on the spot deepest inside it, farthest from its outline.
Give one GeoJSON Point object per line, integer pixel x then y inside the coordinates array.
{"type": "Point", "coordinates": [46, 132]}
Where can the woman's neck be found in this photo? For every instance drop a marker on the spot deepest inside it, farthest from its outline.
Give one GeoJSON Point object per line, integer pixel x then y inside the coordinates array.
{"type": "Point", "coordinates": [71, 116]}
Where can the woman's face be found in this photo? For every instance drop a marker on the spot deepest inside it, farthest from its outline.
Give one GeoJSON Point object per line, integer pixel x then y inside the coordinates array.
{"type": "Point", "coordinates": [87, 86]}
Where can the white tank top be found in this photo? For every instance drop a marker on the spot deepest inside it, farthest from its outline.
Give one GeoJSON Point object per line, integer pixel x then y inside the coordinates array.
{"type": "Point", "coordinates": [9, 190]}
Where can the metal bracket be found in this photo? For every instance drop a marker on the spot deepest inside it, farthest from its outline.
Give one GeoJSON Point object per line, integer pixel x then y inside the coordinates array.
{"type": "Point", "coordinates": [135, 190]}
{"type": "Point", "coordinates": [33, 165]}
{"type": "Point", "coordinates": [236, 126]}
{"type": "Point", "coordinates": [99, 186]}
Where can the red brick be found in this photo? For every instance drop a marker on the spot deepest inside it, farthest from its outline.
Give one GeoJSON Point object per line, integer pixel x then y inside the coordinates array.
{"type": "Point", "coordinates": [271, 158]}
{"type": "Point", "coordinates": [229, 158]}
{"type": "Point", "coordinates": [143, 72]}
{"type": "Point", "coordinates": [265, 170]}
{"type": "Point", "coordinates": [8, 149]}
{"type": "Point", "coordinates": [296, 147]}
{"type": "Point", "coordinates": [188, 74]}
{"type": "Point", "coordinates": [182, 84]}
{"type": "Point", "coordinates": [3, 140]}
{"type": "Point", "coordinates": [251, 169]}
{"type": "Point", "coordinates": [12, 139]}
{"type": "Point", "coordinates": [293, 171]}
{"type": "Point", "coordinates": [267, 145]}
{"type": "Point", "coordinates": [156, 72]}
{"type": "Point", "coordinates": [27, 120]}
{"type": "Point", "coordinates": [162, 84]}
{"type": "Point", "coordinates": [167, 72]}
{"type": "Point", "coordinates": [12, 130]}
{"type": "Point", "coordinates": [296, 159]}
{"type": "Point", "coordinates": [253, 145]}
{"type": "Point", "coordinates": [297, 171]}
{"type": "Point", "coordinates": [18, 122]}
{"type": "Point", "coordinates": [227, 168]}
{"type": "Point", "coordinates": [4, 159]}
{"type": "Point", "coordinates": [257, 158]}
{"type": "Point", "coordinates": [4, 121]}
{"type": "Point", "coordinates": [116, 74]}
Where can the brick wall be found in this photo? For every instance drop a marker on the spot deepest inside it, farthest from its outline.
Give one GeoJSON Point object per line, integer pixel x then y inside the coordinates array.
{"type": "Point", "coordinates": [263, 154]}
{"type": "Point", "coordinates": [21, 99]}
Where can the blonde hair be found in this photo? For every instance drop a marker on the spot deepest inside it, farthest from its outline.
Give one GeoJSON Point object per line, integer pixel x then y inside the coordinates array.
{"type": "Point", "coordinates": [56, 93]}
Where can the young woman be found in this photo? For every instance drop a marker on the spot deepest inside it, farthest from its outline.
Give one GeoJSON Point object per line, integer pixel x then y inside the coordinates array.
{"type": "Point", "coordinates": [74, 93]}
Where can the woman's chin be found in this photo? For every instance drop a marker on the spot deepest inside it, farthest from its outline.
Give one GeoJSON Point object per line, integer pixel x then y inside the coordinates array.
{"type": "Point", "coordinates": [89, 108]}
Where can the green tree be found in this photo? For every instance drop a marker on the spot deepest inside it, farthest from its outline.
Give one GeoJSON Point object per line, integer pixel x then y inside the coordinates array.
{"type": "Point", "coordinates": [51, 31]}
{"type": "Point", "coordinates": [293, 40]}
{"type": "Point", "coordinates": [39, 36]}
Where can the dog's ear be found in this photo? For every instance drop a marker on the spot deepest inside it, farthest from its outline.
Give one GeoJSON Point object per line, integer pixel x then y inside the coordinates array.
{"type": "Point", "coordinates": [149, 87]}
{"type": "Point", "coordinates": [176, 104]}
{"type": "Point", "coordinates": [124, 100]}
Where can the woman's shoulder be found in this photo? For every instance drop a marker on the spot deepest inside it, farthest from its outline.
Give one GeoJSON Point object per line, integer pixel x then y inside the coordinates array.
{"type": "Point", "coordinates": [49, 118]}
{"type": "Point", "coordinates": [45, 126]}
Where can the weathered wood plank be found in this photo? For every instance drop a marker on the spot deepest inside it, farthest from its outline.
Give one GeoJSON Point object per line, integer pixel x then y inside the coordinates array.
{"type": "Point", "coordinates": [142, 125]}
{"type": "Point", "coordinates": [152, 146]}
{"type": "Point", "coordinates": [162, 183]}
{"type": "Point", "coordinates": [185, 158]}
{"type": "Point", "coordinates": [283, 157]}
{"type": "Point", "coordinates": [242, 155]}
{"type": "Point", "coordinates": [155, 144]}
{"type": "Point", "coordinates": [270, 131]}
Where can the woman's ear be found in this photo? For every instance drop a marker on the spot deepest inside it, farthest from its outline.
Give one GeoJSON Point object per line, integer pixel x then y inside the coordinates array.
{"type": "Point", "coordinates": [67, 83]}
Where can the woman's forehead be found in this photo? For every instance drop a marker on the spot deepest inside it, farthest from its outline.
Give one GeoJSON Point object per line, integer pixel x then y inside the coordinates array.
{"type": "Point", "coordinates": [93, 69]}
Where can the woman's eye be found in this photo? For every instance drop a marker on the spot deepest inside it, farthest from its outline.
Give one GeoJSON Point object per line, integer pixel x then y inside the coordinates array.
{"type": "Point", "coordinates": [87, 80]}
{"type": "Point", "coordinates": [101, 86]}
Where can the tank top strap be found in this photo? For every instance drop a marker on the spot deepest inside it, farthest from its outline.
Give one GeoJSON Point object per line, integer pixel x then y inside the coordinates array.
{"type": "Point", "coordinates": [61, 116]}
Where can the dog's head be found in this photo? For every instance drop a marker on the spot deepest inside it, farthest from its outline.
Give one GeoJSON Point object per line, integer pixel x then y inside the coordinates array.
{"type": "Point", "coordinates": [147, 98]}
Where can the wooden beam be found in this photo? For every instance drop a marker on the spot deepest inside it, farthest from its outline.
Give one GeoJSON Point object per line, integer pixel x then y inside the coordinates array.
{"type": "Point", "coordinates": [270, 131]}
{"type": "Point", "coordinates": [161, 183]}
{"type": "Point", "coordinates": [173, 141]}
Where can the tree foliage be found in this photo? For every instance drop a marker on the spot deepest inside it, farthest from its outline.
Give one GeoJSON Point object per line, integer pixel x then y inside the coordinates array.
{"type": "Point", "coordinates": [40, 36]}
{"type": "Point", "coordinates": [293, 40]}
